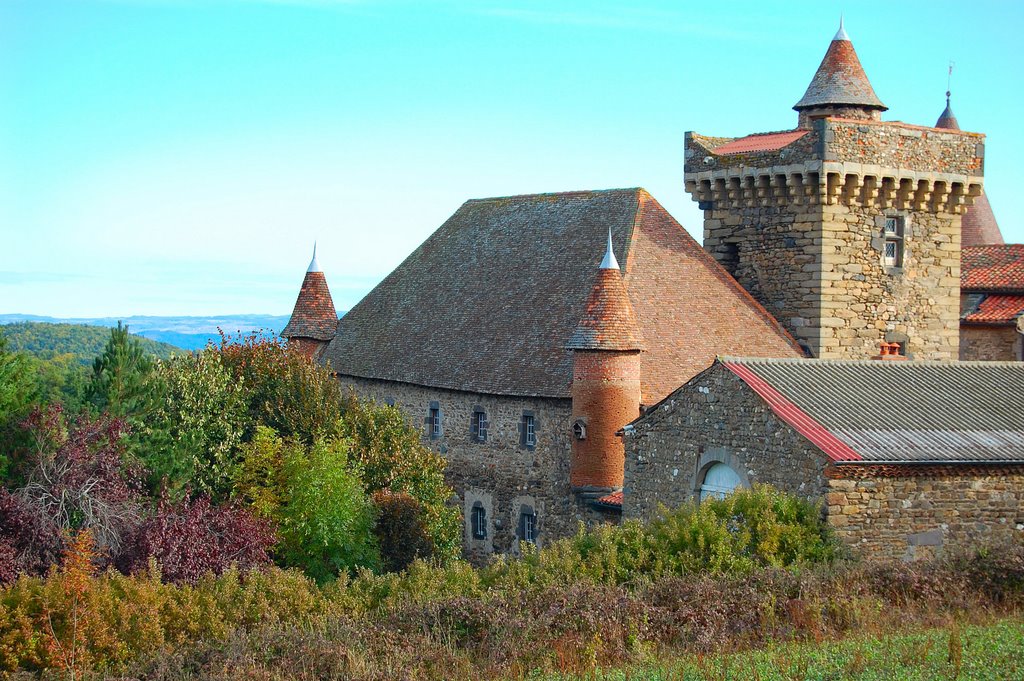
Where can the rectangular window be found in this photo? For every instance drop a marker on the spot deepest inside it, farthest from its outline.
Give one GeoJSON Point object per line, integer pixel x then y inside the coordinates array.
{"type": "Point", "coordinates": [529, 525]}
{"type": "Point", "coordinates": [434, 421]}
{"type": "Point", "coordinates": [528, 431]}
{"type": "Point", "coordinates": [892, 255]}
{"type": "Point", "coordinates": [479, 518]}
{"type": "Point", "coordinates": [479, 426]}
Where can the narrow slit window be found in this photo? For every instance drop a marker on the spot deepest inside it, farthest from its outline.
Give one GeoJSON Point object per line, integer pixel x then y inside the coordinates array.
{"type": "Point", "coordinates": [434, 421]}
{"type": "Point", "coordinates": [479, 521]}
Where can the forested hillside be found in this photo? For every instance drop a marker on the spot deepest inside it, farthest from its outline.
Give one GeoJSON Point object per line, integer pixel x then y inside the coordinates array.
{"type": "Point", "coordinates": [49, 341]}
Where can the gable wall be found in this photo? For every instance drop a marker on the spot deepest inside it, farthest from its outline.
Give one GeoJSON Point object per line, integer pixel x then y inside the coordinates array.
{"type": "Point", "coordinates": [714, 417]}
{"type": "Point", "coordinates": [990, 343]}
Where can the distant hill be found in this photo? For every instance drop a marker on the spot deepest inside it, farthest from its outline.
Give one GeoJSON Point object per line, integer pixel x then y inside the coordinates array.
{"type": "Point", "coordinates": [47, 340]}
{"type": "Point", "coordinates": [188, 333]}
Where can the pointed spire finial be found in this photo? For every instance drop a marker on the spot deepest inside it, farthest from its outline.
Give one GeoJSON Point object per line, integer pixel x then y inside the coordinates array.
{"type": "Point", "coordinates": [609, 262]}
{"type": "Point", "coordinates": [841, 33]}
{"type": "Point", "coordinates": [314, 265]}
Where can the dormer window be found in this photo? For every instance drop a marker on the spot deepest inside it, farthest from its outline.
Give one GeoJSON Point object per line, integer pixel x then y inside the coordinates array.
{"type": "Point", "coordinates": [892, 255]}
{"type": "Point", "coordinates": [478, 425]}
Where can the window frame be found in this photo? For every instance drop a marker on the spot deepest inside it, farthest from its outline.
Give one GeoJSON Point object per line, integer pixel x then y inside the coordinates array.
{"type": "Point", "coordinates": [478, 521]}
{"type": "Point", "coordinates": [896, 238]}
{"type": "Point", "coordinates": [478, 425]}
{"type": "Point", "coordinates": [528, 430]}
{"type": "Point", "coordinates": [528, 524]}
{"type": "Point", "coordinates": [434, 429]}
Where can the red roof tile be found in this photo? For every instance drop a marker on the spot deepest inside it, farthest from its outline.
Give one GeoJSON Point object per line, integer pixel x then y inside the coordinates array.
{"type": "Point", "coordinates": [995, 268]}
{"type": "Point", "coordinates": [314, 315]}
{"type": "Point", "coordinates": [978, 226]}
{"type": "Point", "coordinates": [840, 79]}
{"type": "Point", "coordinates": [608, 322]}
{"type": "Point", "coordinates": [998, 309]}
{"type": "Point", "coordinates": [613, 499]}
{"type": "Point", "coordinates": [771, 141]}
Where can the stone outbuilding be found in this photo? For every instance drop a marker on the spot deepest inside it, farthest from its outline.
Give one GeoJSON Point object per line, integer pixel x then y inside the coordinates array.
{"type": "Point", "coordinates": [906, 457]}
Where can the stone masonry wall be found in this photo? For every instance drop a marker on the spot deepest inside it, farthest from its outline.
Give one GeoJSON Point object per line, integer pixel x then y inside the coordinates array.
{"type": "Point", "coordinates": [914, 517]}
{"type": "Point", "coordinates": [501, 474]}
{"type": "Point", "coordinates": [865, 302]}
{"type": "Point", "coordinates": [715, 417]}
{"type": "Point", "coordinates": [990, 343]}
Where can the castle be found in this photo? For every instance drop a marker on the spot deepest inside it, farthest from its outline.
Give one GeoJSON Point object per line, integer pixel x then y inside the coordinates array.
{"type": "Point", "coordinates": [541, 341]}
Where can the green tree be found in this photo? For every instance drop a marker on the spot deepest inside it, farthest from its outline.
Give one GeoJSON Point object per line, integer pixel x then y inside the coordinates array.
{"type": "Point", "coordinates": [392, 458]}
{"type": "Point", "coordinates": [119, 383]}
{"type": "Point", "coordinates": [18, 393]}
{"type": "Point", "coordinates": [324, 518]}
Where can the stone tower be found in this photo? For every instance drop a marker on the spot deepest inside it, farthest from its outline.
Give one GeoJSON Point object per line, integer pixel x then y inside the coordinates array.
{"type": "Point", "coordinates": [314, 319]}
{"type": "Point", "coordinates": [978, 226]}
{"type": "Point", "coordinates": [606, 347]}
{"type": "Point", "coordinates": [846, 228]}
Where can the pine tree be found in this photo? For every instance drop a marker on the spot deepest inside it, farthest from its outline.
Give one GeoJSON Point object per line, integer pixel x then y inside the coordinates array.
{"type": "Point", "coordinates": [119, 384]}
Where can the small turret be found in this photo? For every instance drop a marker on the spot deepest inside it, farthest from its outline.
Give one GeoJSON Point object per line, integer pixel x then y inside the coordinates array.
{"type": "Point", "coordinates": [839, 87]}
{"type": "Point", "coordinates": [314, 319]}
{"type": "Point", "coordinates": [978, 227]}
{"type": "Point", "coordinates": [606, 349]}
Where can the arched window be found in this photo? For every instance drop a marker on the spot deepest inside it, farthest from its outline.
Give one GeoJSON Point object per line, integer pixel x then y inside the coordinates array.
{"type": "Point", "coordinates": [719, 481]}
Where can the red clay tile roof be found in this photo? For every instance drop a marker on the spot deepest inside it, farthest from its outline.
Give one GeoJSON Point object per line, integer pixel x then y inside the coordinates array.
{"type": "Point", "coordinates": [996, 309]}
{"type": "Point", "coordinates": [993, 269]}
{"type": "Point", "coordinates": [896, 412]}
{"type": "Point", "coordinates": [978, 226]}
{"type": "Point", "coordinates": [770, 141]}
{"type": "Point", "coordinates": [840, 79]}
{"type": "Point", "coordinates": [489, 301]}
{"type": "Point", "coordinates": [608, 322]}
{"type": "Point", "coordinates": [314, 315]}
{"type": "Point", "coordinates": [613, 499]}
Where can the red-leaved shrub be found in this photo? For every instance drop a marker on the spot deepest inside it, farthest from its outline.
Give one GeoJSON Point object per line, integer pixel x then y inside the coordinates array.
{"type": "Point", "coordinates": [191, 537]}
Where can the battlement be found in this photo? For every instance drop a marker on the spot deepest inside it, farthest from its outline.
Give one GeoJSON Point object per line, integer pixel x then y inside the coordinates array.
{"type": "Point", "coordinates": [873, 164]}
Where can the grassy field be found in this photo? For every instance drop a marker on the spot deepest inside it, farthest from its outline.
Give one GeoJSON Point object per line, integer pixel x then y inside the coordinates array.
{"type": "Point", "coordinates": [981, 652]}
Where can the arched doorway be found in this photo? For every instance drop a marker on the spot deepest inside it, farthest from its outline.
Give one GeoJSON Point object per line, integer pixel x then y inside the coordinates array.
{"type": "Point", "coordinates": [719, 480]}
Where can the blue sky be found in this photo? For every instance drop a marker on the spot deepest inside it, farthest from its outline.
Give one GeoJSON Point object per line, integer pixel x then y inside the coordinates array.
{"type": "Point", "coordinates": [181, 156]}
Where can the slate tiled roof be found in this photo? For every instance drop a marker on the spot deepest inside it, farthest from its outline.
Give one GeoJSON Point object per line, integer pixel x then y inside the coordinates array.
{"type": "Point", "coordinates": [771, 141]}
{"type": "Point", "coordinates": [840, 79]}
{"type": "Point", "coordinates": [314, 315]}
{"type": "Point", "coordinates": [994, 309]}
{"type": "Point", "coordinates": [898, 412]}
{"type": "Point", "coordinates": [993, 269]}
{"type": "Point", "coordinates": [489, 301]}
{"type": "Point", "coordinates": [608, 322]}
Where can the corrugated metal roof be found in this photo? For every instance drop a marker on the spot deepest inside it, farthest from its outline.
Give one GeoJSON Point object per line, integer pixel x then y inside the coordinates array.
{"type": "Point", "coordinates": [897, 411]}
{"type": "Point", "coordinates": [772, 141]}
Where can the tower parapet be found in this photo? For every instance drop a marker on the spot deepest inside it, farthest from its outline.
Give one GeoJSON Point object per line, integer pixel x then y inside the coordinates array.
{"type": "Point", "coordinates": [847, 230]}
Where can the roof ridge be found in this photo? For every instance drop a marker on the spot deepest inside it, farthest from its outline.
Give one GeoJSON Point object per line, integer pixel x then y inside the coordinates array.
{"type": "Point", "coordinates": [869, 362]}
{"type": "Point", "coordinates": [575, 192]}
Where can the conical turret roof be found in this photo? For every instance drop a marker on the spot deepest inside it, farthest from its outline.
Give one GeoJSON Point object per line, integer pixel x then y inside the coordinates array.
{"type": "Point", "coordinates": [840, 79]}
{"type": "Point", "coordinates": [314, 315]}
{"type": "Point", "coordinates": [947, 120]}
{"type": "Point", "coordinates": [978, 226]}
{"type": "Point", "coordinates": [609, 322]}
